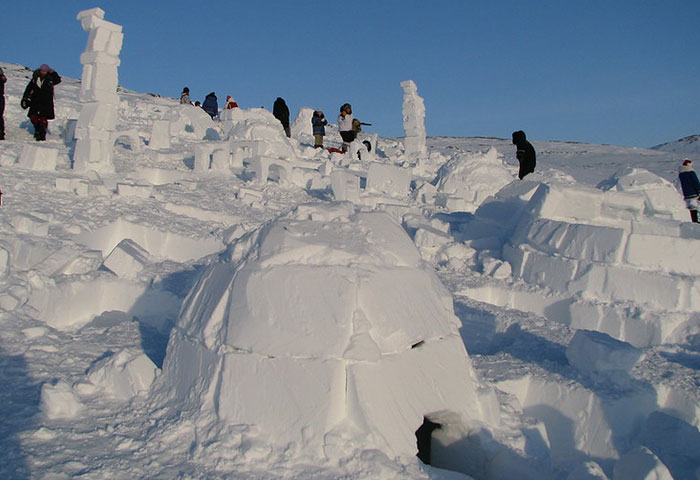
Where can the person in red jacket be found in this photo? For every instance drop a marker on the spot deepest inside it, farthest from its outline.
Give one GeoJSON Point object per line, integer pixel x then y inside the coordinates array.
{"type": "Point", "coordinates": [230, 103]}
{"type": "Point", "coordinates": [38, 98]}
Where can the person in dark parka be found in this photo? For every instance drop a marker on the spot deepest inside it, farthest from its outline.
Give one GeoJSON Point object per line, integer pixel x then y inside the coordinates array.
{"type": "Point", "coordinates": [525, 154]}
{"type": "Point", "coordinates": [690, 186]}
{"type": "Point", "coordinates": [318, 122]}
{"type": "Point", "coordinates": [281, 113]}
{"type": "Point", "coordinates": [211, 105]}
{"type": "Point", "coordinates": [3, 79]}
{"type": "Point", "coordinates": [38, 98]}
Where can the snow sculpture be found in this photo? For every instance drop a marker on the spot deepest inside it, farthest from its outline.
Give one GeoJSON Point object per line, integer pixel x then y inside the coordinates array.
{"type": "Point", "coordinates": [302, 124]}
{"type": "Point", "coordinates": [413, 111]}
{"type": "Point", "coordinates": [330, 319]}
{"type": "Point", "coordinates": [96, 125]}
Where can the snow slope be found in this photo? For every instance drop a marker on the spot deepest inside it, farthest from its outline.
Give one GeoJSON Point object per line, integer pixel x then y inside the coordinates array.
{"type": "Point", "coordinates": [689, 146]}
{"type": "Point", "coordinates": [203, 311]}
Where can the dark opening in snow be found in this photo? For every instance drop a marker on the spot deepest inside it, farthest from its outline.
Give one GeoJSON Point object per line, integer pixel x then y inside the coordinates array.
{"type": "Point", "coordinates": [424, 439]}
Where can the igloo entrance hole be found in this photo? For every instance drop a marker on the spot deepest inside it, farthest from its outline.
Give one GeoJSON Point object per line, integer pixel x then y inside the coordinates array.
{"type": "Point", "coordinates": [424, 436]}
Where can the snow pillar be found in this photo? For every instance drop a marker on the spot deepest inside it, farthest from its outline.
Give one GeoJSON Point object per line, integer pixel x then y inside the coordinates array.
{"type": "Point", "coordinates": [96, 125]}
{"type": "Point", "coordinates": [413, 111]}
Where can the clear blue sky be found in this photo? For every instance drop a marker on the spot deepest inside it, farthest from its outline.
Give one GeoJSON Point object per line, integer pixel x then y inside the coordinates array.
{"type": "Point", "coordinates": [620, 72]}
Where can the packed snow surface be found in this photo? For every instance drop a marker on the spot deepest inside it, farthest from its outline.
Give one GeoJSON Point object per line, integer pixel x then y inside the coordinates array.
{"type": "Point", "coordinates": [216, 300]}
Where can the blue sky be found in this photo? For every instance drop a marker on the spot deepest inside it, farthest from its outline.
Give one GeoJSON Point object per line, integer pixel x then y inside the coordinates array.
{"type": "Point", "coordinates": [619, 72]}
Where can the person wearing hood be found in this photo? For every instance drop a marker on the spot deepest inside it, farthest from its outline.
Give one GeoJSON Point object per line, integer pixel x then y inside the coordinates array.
{"type": "Point", "coordinates": [318, 123]}
{"type": "Point", "coordinates": [230, 103]}
{"type": "Point", "coordinates": [525, 154]}
{"type": "Point", "coordinates": [281, 113]}
{"type": "Point", "coordinates": [211, 105]}
{"type": "Point", "coordinates": [38, 98]}
{"type": "Point", "coordinates": [3, 79]}
{"type": "Point", "coordinates": [690, 186]}
{"type": "Point", "coordinates": [185, 97]}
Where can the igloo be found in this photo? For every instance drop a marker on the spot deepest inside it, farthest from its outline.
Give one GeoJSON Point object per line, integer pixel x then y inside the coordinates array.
{"type": "Point", "coordinates": [324, 332]}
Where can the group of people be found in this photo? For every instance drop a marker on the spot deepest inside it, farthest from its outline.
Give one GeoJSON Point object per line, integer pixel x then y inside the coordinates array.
{"type": "Point", "coordinates": [37, 98]}
{"type": "Point", "coordinates": [211, 103]}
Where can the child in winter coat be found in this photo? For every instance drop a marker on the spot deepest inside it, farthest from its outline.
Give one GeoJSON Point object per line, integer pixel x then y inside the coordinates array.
{"type": "Point", "coordinates": [319, 122]}
{"type": "Point", "coordinates": [690, 187]}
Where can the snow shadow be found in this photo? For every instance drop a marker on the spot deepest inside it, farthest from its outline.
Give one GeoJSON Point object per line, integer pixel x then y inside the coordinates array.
{"type": "Point", "coordinates": [156, 332]}
{"type": "Point", "coordinates": [19, 405]}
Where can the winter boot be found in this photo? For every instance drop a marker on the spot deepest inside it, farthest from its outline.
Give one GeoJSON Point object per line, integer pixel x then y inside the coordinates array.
{"type": "Point", "coordinates": [40, 133]}
{"type": "Point", "coordinates": [694, 216]}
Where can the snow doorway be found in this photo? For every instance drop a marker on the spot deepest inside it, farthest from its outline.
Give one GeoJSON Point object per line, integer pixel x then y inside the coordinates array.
{"type": "Point", "coordinates": [424, 439]}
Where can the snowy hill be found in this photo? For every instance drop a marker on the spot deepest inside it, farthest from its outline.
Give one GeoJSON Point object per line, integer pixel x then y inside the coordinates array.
{"type": "Point", "coordinates": [231, 303]}
{"type": "Point", "coordinates": [688, 145]}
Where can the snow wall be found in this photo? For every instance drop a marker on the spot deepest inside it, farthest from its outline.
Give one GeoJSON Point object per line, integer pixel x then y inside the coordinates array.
{"type": "Point", "coordinates": [327, 334]}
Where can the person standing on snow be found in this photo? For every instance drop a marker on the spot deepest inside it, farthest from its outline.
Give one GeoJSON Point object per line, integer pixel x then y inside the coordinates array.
{"type": "Point", "coordinates": [38, 98]}
{"type": "Point", "coordinates": [211, 105]}
{"type": "Point", "coordinates": [690, 187]}
{"type": "Point", "coordinates": [185, 97]}
{"type": "Point", "coordinates": [281, 113]}
{"type": "Point", "coordinates": [525, 154]}
{"type": "Point", "coordinates": [319, 122]}
{"type": "Point", "coordinates": [345, 126]}
{"type": "Point", "coordinates": [3, 79]}
{"type": "Point", "coordinates": [230, 103]}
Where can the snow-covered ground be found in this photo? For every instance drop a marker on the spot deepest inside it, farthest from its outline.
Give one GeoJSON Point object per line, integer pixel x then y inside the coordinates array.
{"type": "Point", "coordinates": [234, 304]}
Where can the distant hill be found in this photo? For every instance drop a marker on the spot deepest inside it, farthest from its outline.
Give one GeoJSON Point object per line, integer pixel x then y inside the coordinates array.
{"type": "Point", "coordinates": [688, 145]}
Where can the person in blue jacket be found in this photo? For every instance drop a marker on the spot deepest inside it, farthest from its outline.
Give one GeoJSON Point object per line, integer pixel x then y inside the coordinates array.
{"type": "Point", "coordinates": [690, 187]}
{"type": "Point", "coordinates": [211, 105]}
{"type": "Point", "coordinates": [319, 122]}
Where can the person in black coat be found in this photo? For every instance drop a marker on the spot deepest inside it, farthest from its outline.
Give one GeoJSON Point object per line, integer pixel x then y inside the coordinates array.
{"type": "Point", "coordinates": [211, 105]}
{"type": "Point", "coordinates": [690, 186]}
{"type": "Point", "coordinates": [525, 154]}
{"type": "Point", "coordinates": [38, 98]}
{"type": "Point", "coordinates": [3, 79]}
{"type": "Point", "coordinates": [281, 113]}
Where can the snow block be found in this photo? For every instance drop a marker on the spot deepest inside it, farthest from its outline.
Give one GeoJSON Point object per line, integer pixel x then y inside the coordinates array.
{"type": "Point", "coordinates": [127, 259]}
{"type": "Point", "coordinates": [59, 401]}
{"type": "Point", "coordinates": [388, 180]}
{"type": "Point", "coordinates": [568, 203]}
{"type": "Point", "coordinates": [125, 374]}
{"type": "Point", "coordinates": [345, 186]}
{"type": "Point", "coordinates": [302, 124]}
{"type": "Point", "coordinates": [595, 353]}
{"type": "Point", "coordinates": [160, 135]}
{"type": "Point", "coordinates": [37, 157]}
{"type": "Point", "coordinates": [663, 253]}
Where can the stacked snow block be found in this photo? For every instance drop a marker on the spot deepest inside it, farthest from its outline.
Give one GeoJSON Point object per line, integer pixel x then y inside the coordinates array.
{"type": "Point", "coordinates": [160, 135]}
{"type": "Point", "coordinates": [579, 240]}
{"type": "Point", "coordinates": [413, 110]}
{"type": "Point", "coordinates": [598, 355]}
{"type": "Point", "coordinates": [212, 156]}
{"type": "Point", "coordinates": [345, 186]}
{"type": "Point", "coordinates": [96, 125]}
{"type": "Point", "coordinates": [38, 157]}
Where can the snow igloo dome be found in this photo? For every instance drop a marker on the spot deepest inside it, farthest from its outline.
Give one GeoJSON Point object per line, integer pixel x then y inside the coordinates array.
{"type": "Point", "coordinates": [324, 331]}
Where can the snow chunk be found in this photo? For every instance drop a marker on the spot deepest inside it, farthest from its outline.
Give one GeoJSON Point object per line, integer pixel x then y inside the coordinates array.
{"type": "Point", "coordinates": [388, 179]}
{"type": "Point", "coordinates": [596, 353]}
{"type": "Point", "coordinates": [302, 124]}
{"type": "Point", "coordinates": [587, 471]}
{"type": "Point", "coordinates": [59, 401]}
{"type": "Point", "coordinates": [27, 223]}
{"type": "Point", "coordinates": [38, 157]}
{"type": "Point", "coordinates": [127, 259]}
{"type": "Point", "coordinates": [472, 178]}
{"type": "Point", "coordinates": [125, 374]}
{"type": "Point", "coordinates": [641, 464]}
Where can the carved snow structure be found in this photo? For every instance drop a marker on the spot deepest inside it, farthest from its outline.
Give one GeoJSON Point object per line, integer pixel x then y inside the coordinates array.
{"type": "Point", "coordinates": [324, 349]}
{"type": "Point", "coordinates": [413, 111]}
{"type": "Point", "coordinates": [95, 130]}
